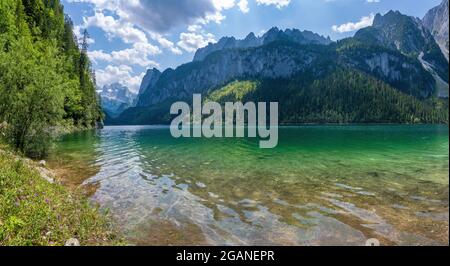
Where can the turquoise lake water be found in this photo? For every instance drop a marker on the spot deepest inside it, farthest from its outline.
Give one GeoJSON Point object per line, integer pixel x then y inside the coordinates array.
{"type": "Point", "coordinates": [322, 185]}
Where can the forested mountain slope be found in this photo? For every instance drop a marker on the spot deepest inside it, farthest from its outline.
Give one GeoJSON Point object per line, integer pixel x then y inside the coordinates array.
{"type": "Point", "coordinates": [392, 71]}
{"type": "Point", "coordinates": [337, 95]}
{"type": "Point", "coordinates": [46, 80]}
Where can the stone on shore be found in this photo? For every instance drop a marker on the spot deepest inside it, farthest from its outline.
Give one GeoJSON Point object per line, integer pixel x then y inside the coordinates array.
{"type": "Point", "coordinates": [73, 242]}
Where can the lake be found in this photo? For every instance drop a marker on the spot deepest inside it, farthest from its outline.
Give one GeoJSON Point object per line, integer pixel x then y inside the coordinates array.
{"type": "Point", "coordinates": [322, 185]}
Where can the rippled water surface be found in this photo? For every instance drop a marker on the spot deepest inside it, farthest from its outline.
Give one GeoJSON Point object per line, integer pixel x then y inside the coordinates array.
{"type": "Point", "coordinates": [323, 185]}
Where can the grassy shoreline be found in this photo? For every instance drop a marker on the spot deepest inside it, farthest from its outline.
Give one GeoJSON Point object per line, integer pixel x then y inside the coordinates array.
{"type": "Point", "coordinates": [36, 212]}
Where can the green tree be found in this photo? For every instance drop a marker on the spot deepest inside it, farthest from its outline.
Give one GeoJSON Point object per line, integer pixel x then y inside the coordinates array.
{"type": "Point", "coordinates": [32, 92]}
{"type": "Point", "coordinates": [46, 81]}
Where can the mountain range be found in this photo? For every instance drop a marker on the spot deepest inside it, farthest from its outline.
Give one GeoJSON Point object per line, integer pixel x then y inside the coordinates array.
{"type": "Point", "coordinates": [393, 71]}
{"type": "Point", "coordinates": [116, 98]}
{"type": "Point", "coordinates": [294, 35]}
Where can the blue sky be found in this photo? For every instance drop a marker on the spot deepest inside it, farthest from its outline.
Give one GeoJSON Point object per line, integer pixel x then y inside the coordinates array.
{"type": "Point", "coordinates": [130, 36]}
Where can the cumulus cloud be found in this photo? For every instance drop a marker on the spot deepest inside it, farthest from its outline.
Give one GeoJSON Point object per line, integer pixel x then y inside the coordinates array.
{"type": "Point", "coordinates": [165, 43]}
{"type": "Point", "coordinates": [134, 20]}
{"type": "Point", "coordinates": [191, 41]}
{"type": "Point", "coordinates": [243, 6]}
{"type": "Point", "coordinates": [145, 26]}
{"type": "Point", "coordinates": [277, 3]}
{"type": "Point", "coordinates": [115, 28]}
{"type": "Point", "coordinates": [137, 55]}
{"type": "Point", "coordinates": [162, 16]}
{"type": "Point", "coordinates": [353, 26]}
{"type": "Point", "coordinates": [157, 15]}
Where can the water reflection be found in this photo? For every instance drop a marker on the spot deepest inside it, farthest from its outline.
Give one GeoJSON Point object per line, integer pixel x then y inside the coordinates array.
{"type": "Point", "coordinates": [321, 186]}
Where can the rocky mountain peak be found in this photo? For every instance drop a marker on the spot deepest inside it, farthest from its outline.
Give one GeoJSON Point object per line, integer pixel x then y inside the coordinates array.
{"type": "Point", "coordinates": [436, 20]}
{"type": "Point", "coordinates": [390, 18]}
{"type": "Point", "coordinates": [150, 79]}
{"type": "Point", "coordinates": [397, 31]}
{"type": "Point", "coordinates": [410, 37]}
{"type": "Point", "coordinates": [274, 34]}
{"type": "Point", "coordinates": [116, 98]}
{"type": "Point", "coordinates": [116, 90]}
{"type": "Point", "coordinates": [251, 36]}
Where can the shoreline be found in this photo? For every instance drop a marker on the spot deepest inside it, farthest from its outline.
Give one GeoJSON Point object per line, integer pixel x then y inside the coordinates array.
{"type": "Point", "coordinates": [355, 177]}
{"type": "Point", "coordinates": [44, 211]}
{"type": "Point", "coordinates": [300, 124]}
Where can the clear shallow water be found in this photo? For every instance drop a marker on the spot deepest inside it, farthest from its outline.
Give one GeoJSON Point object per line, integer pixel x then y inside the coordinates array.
{"type": "Point", "coordinates": [322, 185]}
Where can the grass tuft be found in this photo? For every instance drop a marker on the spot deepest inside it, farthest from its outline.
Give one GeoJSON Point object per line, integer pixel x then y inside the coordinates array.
{"type": "Point", "coordinates": [34, 212]}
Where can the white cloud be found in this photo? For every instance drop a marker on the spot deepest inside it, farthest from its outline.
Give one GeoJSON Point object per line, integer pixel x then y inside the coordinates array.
{"type": "Point", "coordinates": [277, 3]}
{"type": "Point", "coordinates": [115, 28]}
{"type": "Point", "coordinates": [194, 28]}
{"type": "Point", "coordinates": [134, 19]}
{"type": "Point", "coordinates": [139, 23]}
{"type": "Point", "coordinates": [137, 55]}
{"type": "Point", "coordinates": [220, 6]}
{"type": "Point", "coordinates": [101, 4]}
{"type": "Point", "coordinates": [353, 26]}
{"type": "Point", "coordinates": [191, 41]}
{"type": "Point", "coordinates": [160, 15]}
{"type": "Point", "coordinates": [243, 6]}
{"type": "Point", "coordinates": [223, 4]}
{"type": "Point", "coordinates": [373, 1]}
{"type": "Point", "coordinates": [121, 74]}
{"type": "Point", "coordinates": [165, 43]}
{"type": "Point", "coordinates": [141, 48]}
